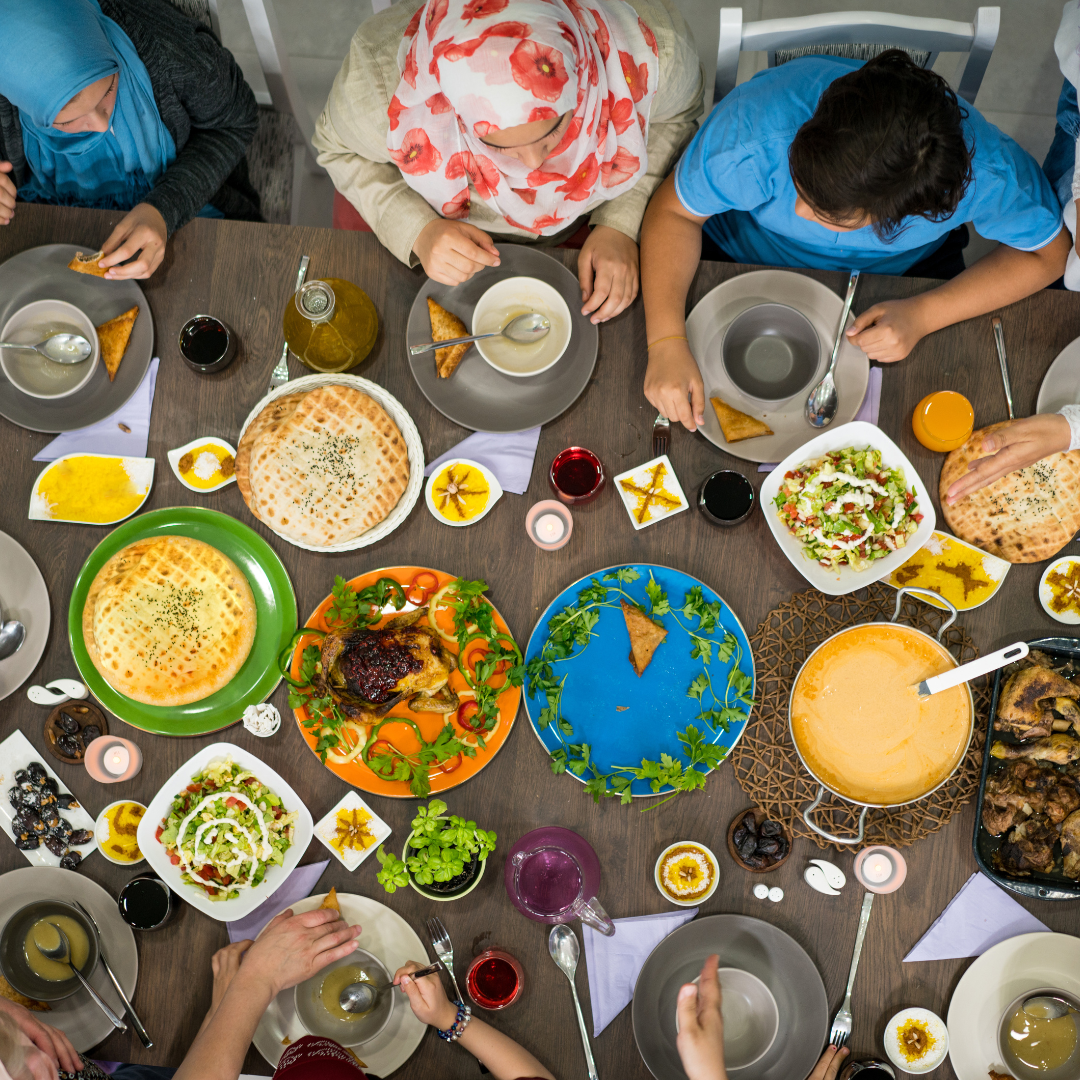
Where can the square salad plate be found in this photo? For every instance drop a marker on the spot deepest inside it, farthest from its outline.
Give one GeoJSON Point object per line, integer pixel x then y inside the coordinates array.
{"type": "Point", "coordinates": [651, 492]}
{"type": "Point", "coordinates": [276, 876]}
{"type": "Point", "coordinates": [860, 435]}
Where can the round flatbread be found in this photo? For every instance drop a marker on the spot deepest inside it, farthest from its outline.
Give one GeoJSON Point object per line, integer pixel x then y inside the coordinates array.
{"type": "Point", "coordinates": [169, 620]}
{"type": "Point", "coordinates": [270, 418]}
{"type": "Point", "coordinates": [1027, 516]}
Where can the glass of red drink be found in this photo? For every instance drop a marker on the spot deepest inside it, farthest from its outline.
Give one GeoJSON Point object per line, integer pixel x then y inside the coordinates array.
{"type": "Point", "coordinates": [576, 475]}
{"type": "Point", "coordinates": [494, 979]}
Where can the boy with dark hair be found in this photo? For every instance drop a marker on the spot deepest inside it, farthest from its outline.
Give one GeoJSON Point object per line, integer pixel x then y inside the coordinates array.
{"type": "Point", "coordinates": [836, 164]}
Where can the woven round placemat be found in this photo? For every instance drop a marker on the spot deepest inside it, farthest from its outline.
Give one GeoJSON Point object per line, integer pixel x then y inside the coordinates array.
{"type": "Point", "coordinates": [766, 764]}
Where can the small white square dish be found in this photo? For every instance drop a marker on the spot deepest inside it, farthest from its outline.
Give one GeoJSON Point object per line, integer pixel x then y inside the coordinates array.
{"type": "Point", "coordinates": [158, 810]}
{"type": "Point", "coordinates": [860, 435]}
{"type": "Point", "coordinates": [651, 492]}
{"type": "Point", "coordinates": [357, 815]}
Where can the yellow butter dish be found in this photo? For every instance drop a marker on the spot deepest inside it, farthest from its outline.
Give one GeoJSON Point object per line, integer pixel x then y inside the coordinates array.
{"type": "Point", "coordinates": [461, 492]}
{"type": "Point", "coordinates": [964, 574]}
{"type": "Point", "coordinates": [91, 489]}
{"type": "Point", "coordinates": [204, 464]}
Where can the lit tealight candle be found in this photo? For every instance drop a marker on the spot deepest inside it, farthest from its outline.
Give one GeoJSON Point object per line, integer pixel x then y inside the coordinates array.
{"type": "Point", "coordinates": [549, 528]}
{"type": "Point", "coordinates": [549, 525]}
{"type": "Point", "coordinates": [116, 760]}
{"type": "Point", "coordinates": [110, 760]}
{"type": "Point", "coordinates": [880, 869]}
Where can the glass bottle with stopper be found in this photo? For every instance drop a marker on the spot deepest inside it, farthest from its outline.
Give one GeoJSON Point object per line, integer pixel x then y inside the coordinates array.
{"type": "Point", "coordinates": [331, 325]}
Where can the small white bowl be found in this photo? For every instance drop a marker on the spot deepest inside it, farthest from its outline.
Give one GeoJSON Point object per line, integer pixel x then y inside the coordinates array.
{"type": "Point", "coordinates": [518, 296]}
{"type": "Point", "coordinates": [934, 1024]}
{"type": "Point", "coordinates": [1072, 618]}
{"type": "Point", "coordinates": [697, 900]}
{"type": "Point", "coordinates": [101, 833]}
{"type": "Point", "coordinates": [494, 488]}
{"type": "Point", "coordinates": [141, 471]}
{"type": "Point", "coordinates": [325, 829]}
{"type": "Point", "coordinates": [35, 375]}
{"type": "Point", "coordinates": [209, 440]}
{"type": "Point", "coordinates": [751, 1018]}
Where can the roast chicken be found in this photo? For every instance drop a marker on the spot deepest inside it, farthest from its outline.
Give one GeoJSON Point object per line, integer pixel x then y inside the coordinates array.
{"type": "Point", "coordinates": [1023, 788]}
{"type": "Point", "coordinates": [1030, 846]}
{"type": "Point", "coordinates": [1058, 749]}
{"type": "Point", "coordinates": [1070, 845]}
{"type": "Point", "coordinates": [1030, 699]}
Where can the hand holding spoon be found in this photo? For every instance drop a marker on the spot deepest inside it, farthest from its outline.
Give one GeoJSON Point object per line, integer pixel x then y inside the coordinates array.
{"type": "Point", "coordinates": [523, 330]}
{"type": "Point", "coordinates": [362, 997]}
{"type": "Point", "coordinates": [60, 348]}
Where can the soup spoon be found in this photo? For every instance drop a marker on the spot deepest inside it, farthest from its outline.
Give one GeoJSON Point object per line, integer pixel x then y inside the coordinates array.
{"type": "Point", "coordinates": [523, 330]}
{"type": "Point", "coordinates": [61, 953]}
{"type": "Point", "coordinates": [820, 408]}
{"type": "Point", "coordinates": [60, 348]}
{"type": "Point", "coordinates": [1048, 1007]}
{"type": "Point", "coordinates": [12, 635]}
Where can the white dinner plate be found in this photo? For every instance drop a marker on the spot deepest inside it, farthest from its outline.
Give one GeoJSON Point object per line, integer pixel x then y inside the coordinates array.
{"type": "Point", "coordinates": [77, 1016]}
{"type": "Point", "coordinates": [276, 876]}
{"type": "Point", "coordinates": [1000, 975]}
{"type": "Point", "coordinates": [705, 328]}
{"type": "Point", "coordinates": [1061, 383]}
{"type": "Point", "coordinates": [23, 596]}
{"type": "Point", "coordinates": [389, 937]}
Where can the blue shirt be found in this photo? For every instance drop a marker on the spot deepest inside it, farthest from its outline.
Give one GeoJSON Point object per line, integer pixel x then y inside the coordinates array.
{"type": "Point", "coordinates": [735, 172]}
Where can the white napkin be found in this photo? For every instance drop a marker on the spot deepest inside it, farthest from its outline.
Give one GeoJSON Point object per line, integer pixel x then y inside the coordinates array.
{"type": "Point", "coordinates": [298, 885]}
{"type": "Point", "coordinates": [106, 436]}
{"type": "Point", "coordinates": [978, 917]}
{"type": "Point", "coordinates": [614, 963]}
{"type": "Point", "coordinates": [508, 455]}
{"type": "Point", "coordinates": [868, 411]}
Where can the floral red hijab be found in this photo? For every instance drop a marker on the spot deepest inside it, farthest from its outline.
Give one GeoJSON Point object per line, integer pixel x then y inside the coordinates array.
{"type": "Point", "coordinates": [470, 67]}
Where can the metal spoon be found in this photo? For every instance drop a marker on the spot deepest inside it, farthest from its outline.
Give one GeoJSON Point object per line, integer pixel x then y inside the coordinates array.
{"type": "Point", "coordinates": [564, 949]}
{"type": "Point", "coordinates": [60, 348]}
{"type": "Point", "coordinates": [821, 404]}
{"type": "Point", "coordinates": [361, 997]}
{"type": "Point", "coordinates": [523, 329]}
{"type": "Point", "coordinates": [62, 955]}
{"type": "Point", "coordinates": [1049, 1006]}
{"type": "Point", "coordinates": [12, 635]}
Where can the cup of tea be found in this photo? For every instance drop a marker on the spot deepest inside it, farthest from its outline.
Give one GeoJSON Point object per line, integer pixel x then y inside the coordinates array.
{"type": "Point", "coordinates": [146, 902]}
{"type": "Point", "coordinates": [726, 498]}
{"type": "Point", "coordinates": [494, 979]}
{"type": "Point", "coordinates": [576, 475]}
{"type": "Point", "coordinates": [207, 344]}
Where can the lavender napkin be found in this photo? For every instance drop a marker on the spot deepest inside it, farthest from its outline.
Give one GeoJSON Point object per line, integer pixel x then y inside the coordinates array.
{"type": "Point", "coordinates": [614, 963]}
{"type": "Point", "coordinates": [107, 436]}
{"type": "Point", "coordinates": [509, 456]}
{"type": "Point", "coordinates": [978, 917]}
{"type": "Point", "coordinates": [868, 411]}
{"type": "Point", "coordinates": [298, 885]}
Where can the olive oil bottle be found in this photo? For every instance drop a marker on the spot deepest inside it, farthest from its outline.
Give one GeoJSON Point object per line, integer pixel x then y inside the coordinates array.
{"type": "Point", "coordinates": [331, 325]}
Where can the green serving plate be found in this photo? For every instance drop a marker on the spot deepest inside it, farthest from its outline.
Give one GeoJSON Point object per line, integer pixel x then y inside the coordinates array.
{"type": "Point", "coordinates": [275, 605]}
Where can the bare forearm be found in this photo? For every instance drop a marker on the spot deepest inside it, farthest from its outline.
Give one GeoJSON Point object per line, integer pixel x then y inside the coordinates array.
{"type": "Point", "coordinates": [504, 1058]}
{"type": "Point", "coordinates": [670, 252]}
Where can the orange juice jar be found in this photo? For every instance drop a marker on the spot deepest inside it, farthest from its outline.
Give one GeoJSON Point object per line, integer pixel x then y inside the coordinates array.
{"type": "Point", "coordinates": [943, 421]}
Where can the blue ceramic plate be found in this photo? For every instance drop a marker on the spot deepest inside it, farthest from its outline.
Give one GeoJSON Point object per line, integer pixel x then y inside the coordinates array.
{"type": "Point", "coordinates": [624, 718]}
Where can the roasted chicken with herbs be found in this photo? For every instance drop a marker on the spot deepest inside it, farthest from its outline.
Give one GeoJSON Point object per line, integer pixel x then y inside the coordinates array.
{"type": "Point", "coordinates": [1023, 788]}
{"type": "Point", "coordinates": [1058, 749]}
{"type": "Point", "coordinates": [1030, 846]}
{"type": "Point", "coordinates": [368, 672]}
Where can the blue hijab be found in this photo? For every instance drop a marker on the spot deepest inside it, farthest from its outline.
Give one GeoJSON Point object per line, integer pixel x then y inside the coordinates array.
{"type": "Point", "coordinates": [53, 49]}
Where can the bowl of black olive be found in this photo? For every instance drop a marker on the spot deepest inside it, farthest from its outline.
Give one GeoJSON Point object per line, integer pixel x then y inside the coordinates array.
{"type": "Point", "coordinates": [71, 727]}
{"type": "Point", "coordinates": [757, 842]}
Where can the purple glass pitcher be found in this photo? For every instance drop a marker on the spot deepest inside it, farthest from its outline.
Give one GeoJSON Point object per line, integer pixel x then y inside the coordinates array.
{"type": "Point", "coordinates": [552, 875]}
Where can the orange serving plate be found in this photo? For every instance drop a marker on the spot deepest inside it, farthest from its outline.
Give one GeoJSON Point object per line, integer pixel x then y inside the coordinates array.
{"type": "Point", "coordinates": [401, 736]}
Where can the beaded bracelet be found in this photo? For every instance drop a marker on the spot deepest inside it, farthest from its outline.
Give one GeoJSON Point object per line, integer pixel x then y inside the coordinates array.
{"type": "Point", "coordinates": [457, 1029]}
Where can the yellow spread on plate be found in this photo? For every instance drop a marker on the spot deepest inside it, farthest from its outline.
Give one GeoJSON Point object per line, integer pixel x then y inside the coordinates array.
{"type": "Point", "coordinates": [122, 842]}
{"type": "Point", "coordinates": [963, 575]}
{"type": "Point", "coordinates": [43, 935]}
{"type": "Point", "coordinates": [460, 492]}
{"type": "Point", "coordinates": [206, 466]}
{"type": "Point", "coordinates": [1064, 586]}
{"type": "Point", "coordinates": [687, 872]}
{"type": "Point", "coordinates": [352, 830]}
{"type": "Point", "coordinates": [94, 489]}
{"type": "Point", "coordinates": [860, 725]}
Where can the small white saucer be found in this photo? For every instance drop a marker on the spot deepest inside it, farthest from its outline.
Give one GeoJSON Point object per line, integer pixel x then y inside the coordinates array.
{"type": "Point", "coordinates": [174, 457]}
{"type": "Point", "coordinates": [324, 830]}
{"type": "Point", "coordinates": [101, 834]}
{"type": "Point", "coordinates": [494, 488]}
{"type": "Point", "coordinates": [1060, 566]}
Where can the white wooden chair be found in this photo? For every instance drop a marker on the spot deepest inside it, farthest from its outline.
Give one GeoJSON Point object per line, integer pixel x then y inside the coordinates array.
{"type": "Point", "coordinates": [858, 34]}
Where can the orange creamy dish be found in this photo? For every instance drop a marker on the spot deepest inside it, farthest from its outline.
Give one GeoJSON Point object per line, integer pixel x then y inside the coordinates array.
{"type": "Point", "coordinates": [859, 724]}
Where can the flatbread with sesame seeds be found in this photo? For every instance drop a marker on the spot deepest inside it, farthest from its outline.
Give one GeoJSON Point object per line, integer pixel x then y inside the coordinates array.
{"type": "Point", "coordinates": [331, 470]}
{"type": "Point", "coordinates": [1027, 516]}
{"type": "Point", "coordinates": [169, 620]}
{"type": "Point", "coordinates": [271, 418]}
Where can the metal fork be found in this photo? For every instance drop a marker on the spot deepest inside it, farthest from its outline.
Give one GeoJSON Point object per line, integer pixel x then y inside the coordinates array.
{"type": "Point", "coordinates": [444, 950]}
{"type": "Point", "coordinates": [661, 432]}
{"type": "Point", "coordinates": [841, 1025]}
{"type": "Point", "coordinates": [280, 374]}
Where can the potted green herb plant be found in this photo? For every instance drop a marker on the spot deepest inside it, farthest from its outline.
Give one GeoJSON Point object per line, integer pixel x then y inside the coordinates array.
{"type": "Point", "coordinates": [443, 858]}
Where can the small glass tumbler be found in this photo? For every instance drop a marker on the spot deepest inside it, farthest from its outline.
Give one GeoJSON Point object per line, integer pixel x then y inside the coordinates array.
{"type": "Point", "coordinates": [207, 344]}
{"type": "Point", "coordinates": [494, 979]}
{"type": "Point", "coordinates": [576, 475]}
{"type": "Point", "coordinates": [146, 902]}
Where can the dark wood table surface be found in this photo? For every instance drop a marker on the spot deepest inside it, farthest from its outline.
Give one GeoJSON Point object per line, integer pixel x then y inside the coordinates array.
{"type": "Point", "coordinates": [242, 273]}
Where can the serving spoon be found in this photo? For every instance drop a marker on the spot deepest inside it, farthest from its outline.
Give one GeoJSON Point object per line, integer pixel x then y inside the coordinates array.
{"type": "Point", "coordinates": [362, 997]}
{"type": "Point", "coordinates": [821, 405]}
{"type": "Point", "coordinates": [564, 949]}
{"type": "Point", "coordinates": [60, 348]}
{"type": "Point", "coordinates": [61, 953]}
{"type": "Point", "coordinates": [522, 330]}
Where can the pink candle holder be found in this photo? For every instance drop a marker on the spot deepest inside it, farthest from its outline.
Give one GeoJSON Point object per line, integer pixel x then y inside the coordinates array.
{"type": "Point", "coordinates": [576, 475]}
{"type": "Point", "coordinates": [549, 525]}
{"type": "Point", "coordinates": [110, 759]}
{"type": "Point", "coordinates": [879, 869]}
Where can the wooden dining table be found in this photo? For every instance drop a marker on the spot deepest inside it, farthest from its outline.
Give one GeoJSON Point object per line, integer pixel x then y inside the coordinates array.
{"type": "Point", "coordinates": [244, 273]}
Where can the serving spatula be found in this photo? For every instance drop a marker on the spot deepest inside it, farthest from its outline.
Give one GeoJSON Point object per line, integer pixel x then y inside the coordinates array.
{"type": "Point", "coordinates": [971, 670]}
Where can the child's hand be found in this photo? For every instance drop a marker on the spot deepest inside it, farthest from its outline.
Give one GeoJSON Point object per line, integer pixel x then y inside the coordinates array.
{"type": "Point", "coordinates": [428, 999]}
{"type": "Point", "coordinates": [829, 1064]}
{"type": "Point", "coordinates": [701, 1027]}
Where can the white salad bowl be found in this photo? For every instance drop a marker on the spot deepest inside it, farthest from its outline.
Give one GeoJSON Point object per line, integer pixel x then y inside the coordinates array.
{"type": "Point", "coordinates": [276, 876]}
{"type": "Point", "coordinates": [860, 435]}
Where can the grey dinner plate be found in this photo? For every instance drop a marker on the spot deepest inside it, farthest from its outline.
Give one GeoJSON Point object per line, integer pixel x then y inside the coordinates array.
{"type": "Point", "coordinates": [41, 273]}
{"type": "Point", "coordinates": [479, 397]}
{"type": "Point", "coordinates": [742, 942]}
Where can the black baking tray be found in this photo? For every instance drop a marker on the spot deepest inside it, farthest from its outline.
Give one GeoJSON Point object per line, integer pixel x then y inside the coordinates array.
{"type": "Point", "coordinates": [1038, 886]}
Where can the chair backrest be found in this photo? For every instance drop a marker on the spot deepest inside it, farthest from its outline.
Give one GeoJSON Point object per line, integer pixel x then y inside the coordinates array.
{"type": "Point", "coordinates": [859, 34]}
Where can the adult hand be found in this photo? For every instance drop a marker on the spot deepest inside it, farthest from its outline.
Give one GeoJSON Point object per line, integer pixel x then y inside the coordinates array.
{"type": "Point", "coordinates": [141, 231]}
{"type": "Point", "coordinates": [608, 273]}
{"type": "Point", "coordinates": [829, 1063]}
{"type": "Point", "coordinates": [43, 1044]}
{"type": "Point", "coordinates": [427, 998]}
{"type": "Point", "coordinates": [452, 251]}
{"type": "Point", "coordinates": [1019, 443]}
{"type": "Point", "coordinates": [292, 948]}
{"type": "Point", "coordinates": [888, 332]}
{"type": "Point", "coordinates": [701, 1027]}
{"type": "Point", "coordinates": [673, 383]}
{"type": "Point", "coordinates": [7, 193]}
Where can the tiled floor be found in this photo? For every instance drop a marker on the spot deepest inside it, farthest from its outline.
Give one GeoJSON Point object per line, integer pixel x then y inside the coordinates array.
{"type": "Point", "coordinates": [1019, 92]}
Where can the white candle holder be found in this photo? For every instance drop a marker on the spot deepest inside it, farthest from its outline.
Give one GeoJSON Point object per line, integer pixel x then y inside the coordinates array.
{"type": "Point", "coordinates": [539, 516]}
